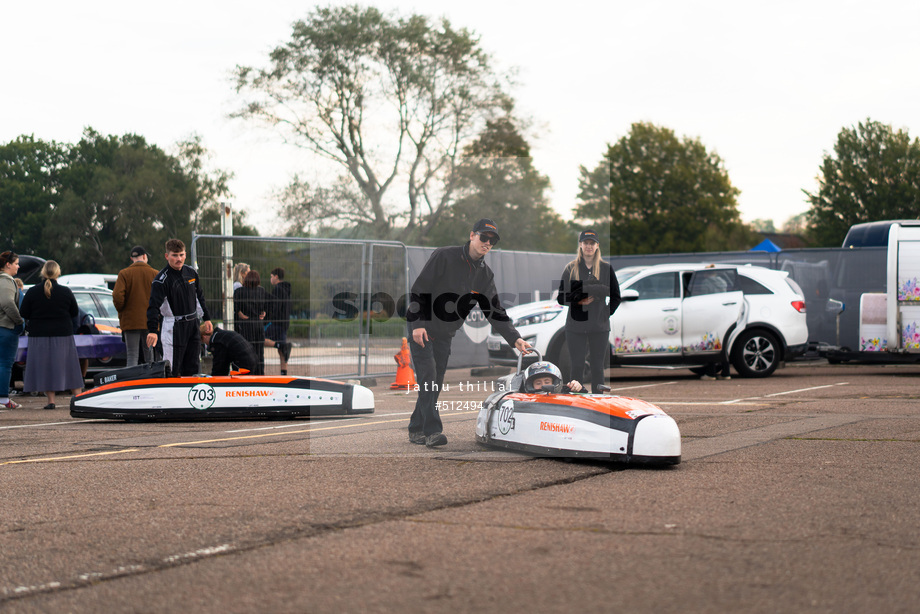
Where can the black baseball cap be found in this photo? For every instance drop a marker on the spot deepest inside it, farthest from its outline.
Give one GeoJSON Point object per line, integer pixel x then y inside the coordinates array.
{"type": "Point", "coordinates": [588, 235]}
{"type": "Point", "coordinates": [486, 225]}
{"type": "Point", "coordinates": [137, 250]}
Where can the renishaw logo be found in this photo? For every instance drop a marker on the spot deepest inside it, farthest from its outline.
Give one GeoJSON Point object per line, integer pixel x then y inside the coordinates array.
{"type": "Point", "coordinates": [250, 393]}
{"type": "Point", "coordinates": [556, 427]}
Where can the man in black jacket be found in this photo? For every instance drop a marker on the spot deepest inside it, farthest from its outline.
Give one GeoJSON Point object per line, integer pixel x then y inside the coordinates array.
{"type": "Point", "coordinates": [176, 299]}
{"type": "Point", "coordinates": [228, 347]}
{"type": "Point", "coordinates": [454, 281]}
{"type": "Point", "coordinates": [279, 318]}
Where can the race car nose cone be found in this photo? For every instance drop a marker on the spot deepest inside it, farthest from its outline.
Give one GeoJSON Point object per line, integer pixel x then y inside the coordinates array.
{"type": "Point", "coordinates": [657, 436]}
{"type": "Point", "coordinates": [362, 400]}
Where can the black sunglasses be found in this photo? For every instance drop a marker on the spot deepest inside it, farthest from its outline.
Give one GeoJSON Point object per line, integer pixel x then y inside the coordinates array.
{"type": "Point", "coordinates": [488, 238]}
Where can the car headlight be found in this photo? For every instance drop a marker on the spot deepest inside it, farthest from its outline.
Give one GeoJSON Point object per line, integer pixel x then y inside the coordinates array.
{"type": "Point", "coordinates": [536, 318]}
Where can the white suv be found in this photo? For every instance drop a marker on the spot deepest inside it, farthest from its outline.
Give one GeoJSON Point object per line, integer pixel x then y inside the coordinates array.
{"type": "Point", "coordinates": [687, 315]}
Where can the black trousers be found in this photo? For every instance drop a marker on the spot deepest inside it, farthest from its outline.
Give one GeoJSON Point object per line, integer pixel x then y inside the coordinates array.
{"type": "Point", "coordinates": [430, 364]}
{"type": "Point", "coordinates": [186, 348]}
{"type": "Point", "coordinates": [596, 344]}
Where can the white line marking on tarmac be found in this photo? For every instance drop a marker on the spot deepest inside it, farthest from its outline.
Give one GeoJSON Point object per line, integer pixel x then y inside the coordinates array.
{"type": "Point", "coordinates": [287, 426]}
{"type": "Point", "coordinates": [241, 437]}
{"type": "Point", "coordinates": [283, 426]}
{"type": "Point", "coordinates": [643, 386]}
{"type": "Point", "coordinates": [72, 456]}
{"type": "Point", "coordinates": [28, 426]}
{"type": "Point", "coordinates": [197, 554]}
{"type": "Point", "coordinates": [776, 394]}
{"type": "Point", "coordinates": [706, 403]}
{"type": "Point", "coordinates": [119, 572]}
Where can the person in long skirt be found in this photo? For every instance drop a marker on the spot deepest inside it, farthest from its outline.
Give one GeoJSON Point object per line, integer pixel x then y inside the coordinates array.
{"type": "Point", "coordinates": [51, 363]}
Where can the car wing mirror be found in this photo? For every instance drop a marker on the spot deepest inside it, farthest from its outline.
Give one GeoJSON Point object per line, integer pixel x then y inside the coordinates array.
{"type": "Point", "coordinates": [629, 295]}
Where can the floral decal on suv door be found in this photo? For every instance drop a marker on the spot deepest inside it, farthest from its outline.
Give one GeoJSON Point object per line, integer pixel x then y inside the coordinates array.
{"type": "Point", "coordinates": [709, 343]}
{"type": "Point", "coordinates": [908, 290]}
{"type": "Point", "coordinates": [626, 345]}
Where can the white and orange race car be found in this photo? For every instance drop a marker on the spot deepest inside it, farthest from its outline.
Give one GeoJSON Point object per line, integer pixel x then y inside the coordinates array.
{"type": "Point", "coordinates": [148, 393]}
{"type": "Point", "coordinates": [545, 421]}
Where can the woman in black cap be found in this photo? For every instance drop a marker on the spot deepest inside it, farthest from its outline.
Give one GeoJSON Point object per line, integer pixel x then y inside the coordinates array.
{"type": "Point", "coordinates": [589, 287]}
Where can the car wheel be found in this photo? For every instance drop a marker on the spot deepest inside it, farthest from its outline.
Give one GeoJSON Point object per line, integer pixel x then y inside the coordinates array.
{"type": "Point", "coordinates": [756, 353]}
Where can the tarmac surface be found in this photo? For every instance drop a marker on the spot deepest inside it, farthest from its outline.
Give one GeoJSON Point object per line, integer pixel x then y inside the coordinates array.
{"type": "Point", "coordinates": [797, 492]}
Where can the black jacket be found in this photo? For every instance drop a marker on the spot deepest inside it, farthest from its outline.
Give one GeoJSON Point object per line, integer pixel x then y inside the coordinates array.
{"type": "Point", "coordinates": [175, 293]}
{"type": "Point", "coordinates": [230, 347]}
{"type": "Point", "coordinates": [450, 285]}
{"type": "Point", "coordinates": [594, 317]}
{"type": "Point", "coordinates": [251, 302]}
{"type": "Point", "coordinates": [280, 304]}
{"type": "Point", "coordinates": [49, 317]}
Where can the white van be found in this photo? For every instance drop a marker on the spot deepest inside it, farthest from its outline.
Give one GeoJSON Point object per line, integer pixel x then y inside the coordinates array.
{"type": "Point", "coordinates": [89, 280]}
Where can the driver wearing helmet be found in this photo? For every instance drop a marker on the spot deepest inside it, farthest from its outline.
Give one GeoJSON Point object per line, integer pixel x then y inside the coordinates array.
{"type": "Point", "coordinates": [541, 374]}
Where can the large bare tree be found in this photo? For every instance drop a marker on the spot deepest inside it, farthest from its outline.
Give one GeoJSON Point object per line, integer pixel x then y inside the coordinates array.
{"type": "Point", "coordinates": [390, 99]}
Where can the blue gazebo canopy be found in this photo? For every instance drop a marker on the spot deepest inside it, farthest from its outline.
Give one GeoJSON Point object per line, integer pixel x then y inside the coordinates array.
{"type": "Point", "coordinates": [766, 246]}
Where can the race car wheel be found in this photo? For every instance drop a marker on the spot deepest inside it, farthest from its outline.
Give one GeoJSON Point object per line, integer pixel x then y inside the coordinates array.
{"type": "Point", "coordinates": [756, 353]}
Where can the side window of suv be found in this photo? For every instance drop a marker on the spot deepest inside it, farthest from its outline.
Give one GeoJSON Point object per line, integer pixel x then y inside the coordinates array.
{"type": "Point", "coordinates": [715, 281]}
{"type": "Point", "coordinates": [662, 285]}
{"type": "Point", "coordinates": [749, 286]}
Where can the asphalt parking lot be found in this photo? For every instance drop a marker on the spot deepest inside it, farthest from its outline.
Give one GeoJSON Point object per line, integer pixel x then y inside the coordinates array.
{"type": "Point", "coordinates": [796, 493]}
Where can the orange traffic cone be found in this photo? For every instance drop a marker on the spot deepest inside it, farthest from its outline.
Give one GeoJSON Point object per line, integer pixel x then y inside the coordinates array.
{"type": "Point", "coordinates": [405, 376]}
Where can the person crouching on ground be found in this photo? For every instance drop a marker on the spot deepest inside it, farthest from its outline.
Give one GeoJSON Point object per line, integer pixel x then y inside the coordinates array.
{"type": "Point", "coordinates": [228, 348]}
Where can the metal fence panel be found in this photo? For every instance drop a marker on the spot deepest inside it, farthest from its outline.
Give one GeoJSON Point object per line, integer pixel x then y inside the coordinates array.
{"type": "Point", "coordinates": [348, 295]}
{"type": "Point", "coordinates": [343, 322]}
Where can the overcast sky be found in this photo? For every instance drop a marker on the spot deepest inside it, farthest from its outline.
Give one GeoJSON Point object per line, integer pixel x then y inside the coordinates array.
{"type": "Point", "coordinates": [766, 85]}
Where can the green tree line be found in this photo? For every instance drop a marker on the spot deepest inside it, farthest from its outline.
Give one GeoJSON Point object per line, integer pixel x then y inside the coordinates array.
{"type": "Point", "coordinates": [86, 204]}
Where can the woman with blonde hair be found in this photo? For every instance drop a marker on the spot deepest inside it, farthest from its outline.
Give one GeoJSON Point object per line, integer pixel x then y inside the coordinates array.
{"type": "Point", "coordinates": [239, 274]}
{"type": "Point", "coordinates": [51, 363]}
{"type": "Point", "coordinates": [589, 287]}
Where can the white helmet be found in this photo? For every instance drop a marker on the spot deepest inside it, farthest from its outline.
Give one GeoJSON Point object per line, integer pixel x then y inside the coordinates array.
{"type": "Point", "coordinates": [542, 369]}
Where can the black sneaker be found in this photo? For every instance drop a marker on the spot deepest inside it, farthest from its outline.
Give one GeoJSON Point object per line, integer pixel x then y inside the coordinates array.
{"type": "Point", "coordinates": [436, 439]}
{"type": "Point", "coordinates": [418, 438]}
